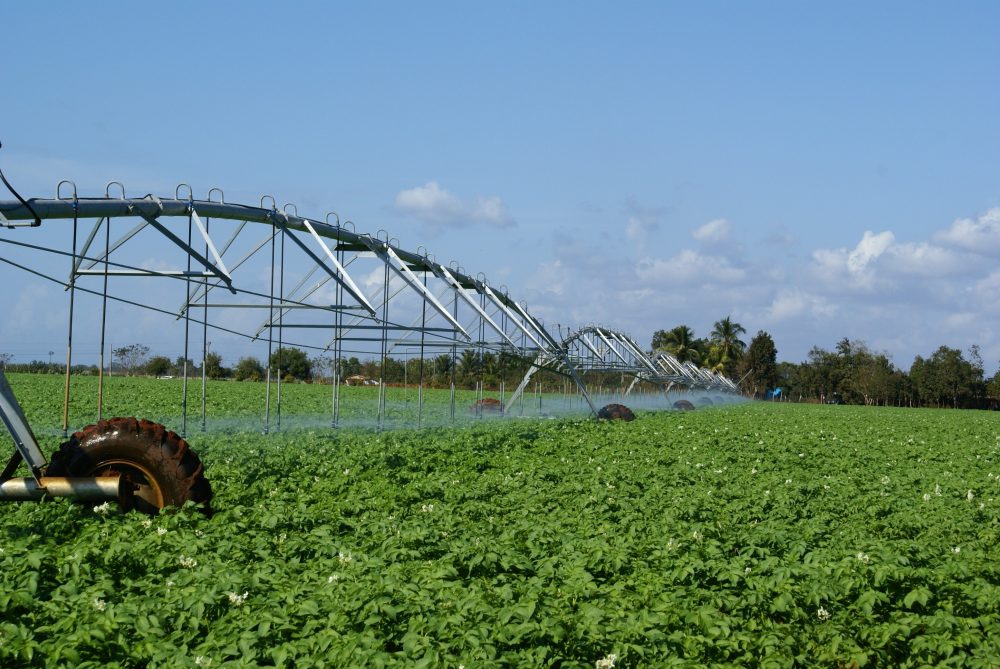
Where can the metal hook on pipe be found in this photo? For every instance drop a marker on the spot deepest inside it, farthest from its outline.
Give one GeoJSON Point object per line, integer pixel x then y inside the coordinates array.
{"type": "Point", "coordinates": [177, 192]}
{"type": "Point", "coordinates": [59, 186]}
{"type": "Point", "coordinates": [274, 205]}
{"type": "Point", "coordinates": [351, 223]}
{"type": "Point", "coordinates": [335, 215]}
{"type": "Point", "coordinates": [222, 196]}
{"type": "Point", "coordinates": [379, 233]}
{"type": "Point", "coordinates": [294, 208]}
{"type": "Point", "coordinates": [424, 254]}
{"type": "Point", "coordinates": [107, 189]}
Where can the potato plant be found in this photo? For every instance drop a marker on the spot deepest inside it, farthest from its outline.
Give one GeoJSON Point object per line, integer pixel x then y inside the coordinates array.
{"type": "Point", "coordinates": [754, 535]}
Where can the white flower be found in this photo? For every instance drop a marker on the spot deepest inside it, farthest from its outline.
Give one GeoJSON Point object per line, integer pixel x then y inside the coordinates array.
{"type": "Point", "coordinates": [863, 557]}
{"type": "Point", "coordinates": [100, 604]}
{"type": "Point", "coordinates": [188, 562]}
{"type": "Point", "coordinates": [427, 508]}
{"type": "Point", "coordinates": [199, 533]}
{"type": "Point", "coordinates": [148, 523]}
{"type": "Point", "coordinates": [672, 544]}
{"type": "Point", "coordinates": [170, 584]}
{"type": "Point", "coordinates": [823, 614]}
{"type": "Point", "coordinates": [956, 550]}
{"type": "Point", "coordinates": [606, 662]}
{"type": "Point", "coordinates": [103, 509]}
{"type": "Point", "coordinates": [237, 600]}
{"type": "Point", "coordinates": [937, 490]}
{"type": "Point", "coordinates": [332, 579]}
{"type": "Point", "coordinates": [697, 536]}
{"type": "Point", "coordinates": [747, 570]}
{"type": "Point", "coordinates": [788, 481]}
{"type": "Point", "coordinates": [344, 558]}
{"type": "Point", "coordinates": [161, 531]}
{"type": "Point", "coordinates": [346, 472]}
{"type": "Point", "coordinates": [885, 480]}
{"type": "Point", "coordinates": [927, 497]}
{"type": "Point", "coordinates": [202, 661]}
{"type": "Point", "coordinates": [753, 471]}
{"type": "Point", "coordinates": [969, 496]}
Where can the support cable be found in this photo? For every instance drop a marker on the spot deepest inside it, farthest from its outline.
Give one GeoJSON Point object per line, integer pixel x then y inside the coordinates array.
{"type": "Point", "coordinates": [20, 199]}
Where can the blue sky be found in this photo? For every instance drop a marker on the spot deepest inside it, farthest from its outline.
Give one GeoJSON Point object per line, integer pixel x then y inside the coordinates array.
{"type": "Point", "coordinates": [816, 171]}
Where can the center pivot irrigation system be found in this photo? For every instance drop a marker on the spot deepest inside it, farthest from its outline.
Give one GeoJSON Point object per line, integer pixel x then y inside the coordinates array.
{"type": "Point", "coordinates": [320, 285]}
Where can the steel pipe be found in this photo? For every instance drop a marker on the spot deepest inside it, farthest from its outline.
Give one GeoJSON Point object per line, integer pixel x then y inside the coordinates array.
{"type": "Point", "coordinates": [92, 489]}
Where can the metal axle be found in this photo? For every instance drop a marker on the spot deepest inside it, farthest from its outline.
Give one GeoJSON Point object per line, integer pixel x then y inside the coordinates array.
{"type": "Point", "coordinates": [92, 489]}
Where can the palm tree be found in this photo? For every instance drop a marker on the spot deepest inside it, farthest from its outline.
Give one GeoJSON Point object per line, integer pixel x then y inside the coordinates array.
{"type": "Point", "coordinates": [727, 343]}
{"type": "Point", "coordinates": [680, 343]}
{"type": "Point", "coordinates": [716, 360]}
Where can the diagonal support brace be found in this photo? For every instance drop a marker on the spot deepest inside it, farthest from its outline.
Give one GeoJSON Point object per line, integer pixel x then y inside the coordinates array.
{"type": "Point", "coordinates": [340, 275]}
{"type": "Point", "coordinates": [395, 263]}
{"type": "Point", "coordinates": [223, 276]}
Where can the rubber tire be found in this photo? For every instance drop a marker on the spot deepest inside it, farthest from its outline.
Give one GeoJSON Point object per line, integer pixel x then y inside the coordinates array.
{"type": "Point", "coordinates": [616, 412]}
{"type": "Point", "coordinates": [486, 406]}
{"type": "Point", "coordinates": [157, 460]}
{"type": "Point", "coordinates": [683, 405]}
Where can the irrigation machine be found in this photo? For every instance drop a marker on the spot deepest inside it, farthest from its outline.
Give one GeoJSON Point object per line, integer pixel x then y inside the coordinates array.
{"type": "Point", "coordinates": [273, 278]}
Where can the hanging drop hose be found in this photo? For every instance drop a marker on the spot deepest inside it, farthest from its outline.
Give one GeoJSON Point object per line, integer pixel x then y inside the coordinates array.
{"type": "Point", "coordinates": [34, 213]}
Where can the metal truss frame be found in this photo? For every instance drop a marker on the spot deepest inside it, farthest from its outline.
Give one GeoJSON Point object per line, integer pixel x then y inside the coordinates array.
{"type": "Point", "coordinates": [326, 253]}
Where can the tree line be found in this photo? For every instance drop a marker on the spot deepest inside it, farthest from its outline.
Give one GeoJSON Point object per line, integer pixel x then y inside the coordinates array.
{"type": "Point", "coordinates": [854, 374]}
{"type": "Point", "coordinates": [468, 369]}
{"type": "Point", "coordinates": [850, 374]}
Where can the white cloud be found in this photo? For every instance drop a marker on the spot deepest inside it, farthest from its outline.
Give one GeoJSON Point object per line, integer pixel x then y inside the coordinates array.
{"type": "Point", "coordinates": [854, 268]}
{"type": "Point", "coordinates": [903, 296]}
{"type": "Point", "coordinates": [798, 304]}
{"type": "Point", "coordinates": [979, 235]}
{"type": "Point", "coordinates": [868, 249]}
{"type": "Point", "coordinates": [961, 320]}
{"type": "Point", "coordinates": [438, 207]}
{"type": "Point", "coordinates": [642, 220]}
{"type": "Point", "coordinates": [689, 267]}
{"type": "Point", "coordinates": [879, 261]}
{"type": "Point", "coordinates": [924, 259]}
{"type": "Point", "coordinates": [713, 232]}
{"type": "Point", "coordinates": [552, 277]}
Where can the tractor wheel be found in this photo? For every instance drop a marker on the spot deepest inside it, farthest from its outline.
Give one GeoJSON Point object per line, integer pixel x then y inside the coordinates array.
{"type": "Point", "coordinates": [616, 412]}
{"type": "Point", "coordinates": [683, 405]}
{"type": "Point", "coordinates": [487, 405]}
{"type": "Point", "coordinates": [156, 461]}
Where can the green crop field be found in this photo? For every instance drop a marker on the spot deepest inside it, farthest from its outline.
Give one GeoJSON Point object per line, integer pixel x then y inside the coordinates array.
{"type": "Point", "coordinates": [748, 535]}
{"type": "Point", "coordinates": [234, 405]}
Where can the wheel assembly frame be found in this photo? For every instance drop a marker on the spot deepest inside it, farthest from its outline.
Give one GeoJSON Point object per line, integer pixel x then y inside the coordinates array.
{"type": "Point", "coordinates": [138, 463]}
